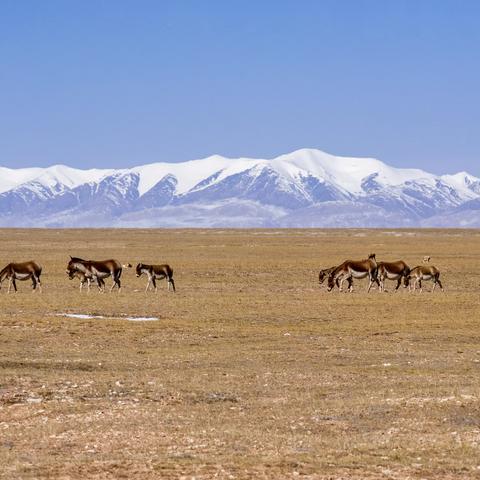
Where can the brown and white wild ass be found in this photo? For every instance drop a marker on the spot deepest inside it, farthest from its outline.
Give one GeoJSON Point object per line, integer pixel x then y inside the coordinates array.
{"type": "Point", "coordinates": [22, 271]}
{"type": "Point", "coordinates": [424, 272]}
{"type": "Point", "coordinates": [86, 278]}
{"type": "Point", "coordinates": [351, 269]}
{"type": "Point", "coordinates": [393, 271]}
{"type": "Point", "coordinates": [97, 269]}
{"type": "Point", "coordinates": [156, 272]}
{"type": "Point", "coordinates": [325, 273]}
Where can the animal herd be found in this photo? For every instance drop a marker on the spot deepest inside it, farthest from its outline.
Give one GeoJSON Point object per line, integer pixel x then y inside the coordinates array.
{"type": "Point", "coordinates": [378, 272]}
{"type": "Point", "coordinates": [88, 272]}
{"type": "Point", "coordinates": [92, 271]}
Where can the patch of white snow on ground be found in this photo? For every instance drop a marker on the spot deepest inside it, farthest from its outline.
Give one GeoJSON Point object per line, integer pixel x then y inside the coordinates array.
{"type": "Point", "coordinates": [84, 316]}
{"type": "Point", "coordinates": [141, 319]}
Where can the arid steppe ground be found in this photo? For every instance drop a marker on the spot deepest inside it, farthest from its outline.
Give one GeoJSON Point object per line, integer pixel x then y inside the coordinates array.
{"type": "Point", "coordinates": [252, 371]}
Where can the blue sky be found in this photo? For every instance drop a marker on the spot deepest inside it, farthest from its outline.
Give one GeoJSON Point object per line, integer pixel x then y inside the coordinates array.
{"type": "Point", "coordinates": [120, 83]}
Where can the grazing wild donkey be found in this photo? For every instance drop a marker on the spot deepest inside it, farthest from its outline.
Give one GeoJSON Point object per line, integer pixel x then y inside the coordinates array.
{"type": "Point", "coordinates": [156, 272]}
{"type": "Point", "coordinates": [97, 270]}
{"type": "Point", "coordinates": [423, 272]}
{"type": "Point", "coordinates": [325, 273]}
{"type": "Point", "coordinates": [22, 271]}
{"type": "Point", "coordinates": [350, 269]}
{"type": "Point", "coordinates": [393, 271]}
{"type": "Point", "coordinates": [85, 278]}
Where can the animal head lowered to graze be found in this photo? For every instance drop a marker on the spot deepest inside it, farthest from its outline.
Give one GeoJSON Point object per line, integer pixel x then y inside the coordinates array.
{"type": "Point", "coordinates": [424, 273]}
{"type": "Point", "coordinates": [323, 274]}
{"type": "Point", "coordinates": [330, 283]}
{"type": "Point", "coordinates": [351, 269]}
{"type": "Point", "coordinates": [397, 270]}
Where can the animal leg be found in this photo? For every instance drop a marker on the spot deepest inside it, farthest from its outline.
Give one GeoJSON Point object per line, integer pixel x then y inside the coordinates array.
{"type": "Point", "coordinates": [349, 280]}
{"type": "Point", "coordinates": [440, 284]}
{"type": "Point", "coordinates": [101, 284]}
{"type": "Point", "coordinates": [370, 284]}
{"type": "Point", "coordinates": [173, 284]}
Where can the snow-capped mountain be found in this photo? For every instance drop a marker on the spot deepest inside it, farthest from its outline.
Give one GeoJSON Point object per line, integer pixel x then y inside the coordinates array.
{"type": "Point", "coordinates": [305, 188]}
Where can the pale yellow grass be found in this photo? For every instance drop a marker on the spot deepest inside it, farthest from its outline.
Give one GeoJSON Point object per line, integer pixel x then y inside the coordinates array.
{"type": "Point", "coordinates": [252, 371]}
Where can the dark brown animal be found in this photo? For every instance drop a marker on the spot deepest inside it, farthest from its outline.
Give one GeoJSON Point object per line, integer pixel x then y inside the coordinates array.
{"type": "Point", "coordinates": [156, 272]}
{"type": "Point", "coordinates": [421, 273]}
{"type": "Point", "coordinates": [354, 269]}
{"type": "Point", "coordinates": [325, 273]}
{"type": "Point", "coordinates": [22, 271]}
{"type": "Point", "coordinates": [392, 271]}
{"type": "Point", "coordinates": [86, 278]}
{"type": "Point", "coordinates": [97, 269]}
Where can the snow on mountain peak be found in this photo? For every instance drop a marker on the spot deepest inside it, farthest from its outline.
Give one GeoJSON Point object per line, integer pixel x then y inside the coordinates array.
{"type": "Point", "coordinates": [348, 172]}
{"type": "Point", "coordinates": [69, 177]}
{"type": "Point", "coordinates": [12, 177]}
{"type": "Point", "coordinates": [305, 178]}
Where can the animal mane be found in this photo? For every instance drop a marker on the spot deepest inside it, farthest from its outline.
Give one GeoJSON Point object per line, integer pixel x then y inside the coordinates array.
{"type": "Point", "coordinates": [76, 259]}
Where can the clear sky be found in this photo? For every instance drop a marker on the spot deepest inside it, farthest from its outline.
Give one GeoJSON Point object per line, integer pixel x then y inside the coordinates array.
{"type": "Point", "coordinates": [121, 83]}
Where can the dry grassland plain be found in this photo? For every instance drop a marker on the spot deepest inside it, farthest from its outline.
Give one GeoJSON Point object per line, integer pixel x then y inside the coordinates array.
{"type": "Point", "coordinates": [253, 370]}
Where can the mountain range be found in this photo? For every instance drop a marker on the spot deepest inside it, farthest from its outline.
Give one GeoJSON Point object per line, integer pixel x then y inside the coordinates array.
{"type": "Point", "coordinates": [305, 188]}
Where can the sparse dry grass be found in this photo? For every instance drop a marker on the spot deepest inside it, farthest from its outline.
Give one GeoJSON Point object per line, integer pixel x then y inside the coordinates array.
{"type": "Point", "coordinates": [252, 371]}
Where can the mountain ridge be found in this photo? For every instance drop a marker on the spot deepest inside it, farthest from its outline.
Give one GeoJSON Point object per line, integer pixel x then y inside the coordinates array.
{"type": "Point", "coordinates": [282, 191]}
